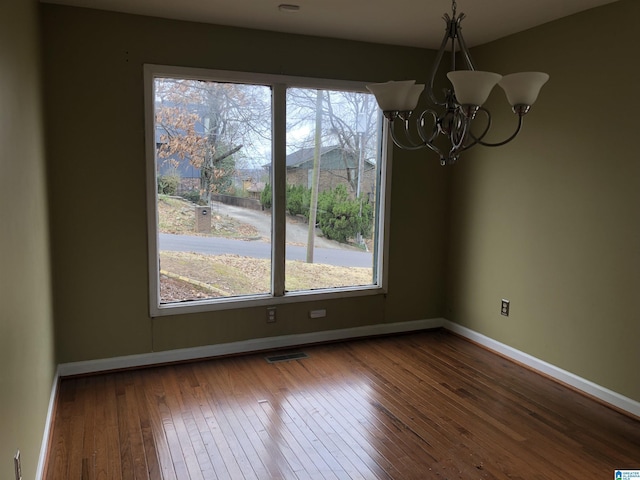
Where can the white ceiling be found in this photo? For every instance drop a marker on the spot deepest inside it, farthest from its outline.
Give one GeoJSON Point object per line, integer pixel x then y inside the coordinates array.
{"type": "Point", "coordinates": [400, 22]}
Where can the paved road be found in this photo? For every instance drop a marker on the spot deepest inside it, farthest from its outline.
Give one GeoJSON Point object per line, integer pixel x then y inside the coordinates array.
{"type": "Point", "coordinates": [258, 249]}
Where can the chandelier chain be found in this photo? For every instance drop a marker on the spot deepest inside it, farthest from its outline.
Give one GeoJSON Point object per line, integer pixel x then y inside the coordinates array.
{"type": "Point", "coordinates": [454, 7]}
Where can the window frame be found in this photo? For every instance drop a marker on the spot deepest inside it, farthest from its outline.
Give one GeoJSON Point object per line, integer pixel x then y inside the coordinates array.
{"type": "Point", "coordinates": [279, 85]}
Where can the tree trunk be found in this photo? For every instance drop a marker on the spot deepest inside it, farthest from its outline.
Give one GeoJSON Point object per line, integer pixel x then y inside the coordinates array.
{"type": "Point", "coordinates": [207, 173]}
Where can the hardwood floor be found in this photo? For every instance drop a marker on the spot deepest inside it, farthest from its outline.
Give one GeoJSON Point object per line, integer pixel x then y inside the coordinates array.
{"type": "Point", "coordinates": [416, 406]}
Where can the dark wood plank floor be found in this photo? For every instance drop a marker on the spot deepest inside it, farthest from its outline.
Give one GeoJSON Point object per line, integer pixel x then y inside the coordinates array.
{"type": "Point", "coordinates": [416, 406]}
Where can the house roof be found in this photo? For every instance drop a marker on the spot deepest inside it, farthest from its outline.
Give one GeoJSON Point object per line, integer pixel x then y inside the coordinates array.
{"type": "Point", "coordinates": [305, 154]}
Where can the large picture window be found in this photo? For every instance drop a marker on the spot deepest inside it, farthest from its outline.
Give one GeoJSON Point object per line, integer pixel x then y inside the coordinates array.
{"type": "Point", "coordinates": [262, 189]}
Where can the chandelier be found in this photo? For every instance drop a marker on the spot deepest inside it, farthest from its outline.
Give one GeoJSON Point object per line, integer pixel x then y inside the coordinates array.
{"type": "Point", "coordinates": [453, 116]}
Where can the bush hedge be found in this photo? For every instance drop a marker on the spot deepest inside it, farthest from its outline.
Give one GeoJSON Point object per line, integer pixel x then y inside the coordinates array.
{"type": "Point", "coordinates": [339, 217]}
{"type": "Point", "coordinates": [168, 184]}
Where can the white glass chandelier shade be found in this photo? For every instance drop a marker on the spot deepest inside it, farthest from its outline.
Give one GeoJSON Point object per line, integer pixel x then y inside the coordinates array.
{"type": "Point", "coordinates": [523, 88]}
{"type": "Point", "coordinates": [397, 96]}
{"type": "Point", "coordinates": [471, 86]}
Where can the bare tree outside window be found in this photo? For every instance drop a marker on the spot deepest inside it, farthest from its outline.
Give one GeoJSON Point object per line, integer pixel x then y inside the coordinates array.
{"type": "Point", "coordinates": [214, 127]}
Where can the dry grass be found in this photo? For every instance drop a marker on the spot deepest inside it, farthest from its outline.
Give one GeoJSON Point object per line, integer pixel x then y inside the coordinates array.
{"type": "Point", "coordinates": [196, 276]}
{"type": "Point", "coordinates": [177, 216]}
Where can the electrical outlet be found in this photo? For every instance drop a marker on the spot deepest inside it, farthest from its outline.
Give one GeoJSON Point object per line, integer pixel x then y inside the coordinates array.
{"type": "Point", "coordinates": [17, 465]}
{"type": "Point", "coordinates": [504, 309]}
{"type": "Point", "coordinates": [318, 313]}
{"type": "Point", "coordinates": [271, 314]}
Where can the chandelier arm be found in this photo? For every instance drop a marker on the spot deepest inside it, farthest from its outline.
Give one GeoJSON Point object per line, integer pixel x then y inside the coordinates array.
{"type": "Point", "coordinates": [504, 142]}
{"type": "Point", "coordinates": [458, 136]}
{"type": "Point", "coordinates": [463, 46]}
{"type": "Point", "coordinates": [403, 146]}
{"type": "Point", "coordinates": [407, 134]}
{"type": "Point", "coordinates": [436, 64]}
{"type": "Point", "coordinates": [428, 142]}
{"type": "Point", "coordinates": [462, 135]}
{"type": "Point", "coordinates": [453, 33]}
{"type": "Point", "coordinates": [434, 149]}
{"type": "Point", "coordinates": [412, 145]}
{"type": "Point", "coordinates": [421, 129]}
{"type": "Point", "coordinates": [477, 139]}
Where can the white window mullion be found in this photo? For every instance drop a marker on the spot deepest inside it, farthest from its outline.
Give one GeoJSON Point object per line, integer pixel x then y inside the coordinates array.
{"type": "Point", "coordinates": [152, 195]}
{"type": "Point", "coordinates": [279, 179]}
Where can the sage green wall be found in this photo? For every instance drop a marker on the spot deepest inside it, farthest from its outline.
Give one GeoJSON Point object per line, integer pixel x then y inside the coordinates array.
{"type": "Point", "coordinates": [552, 221]}
{"type": "Point", "coordinates": [26, 332]}
{"type": "Point", "coordinates": [95, 132]}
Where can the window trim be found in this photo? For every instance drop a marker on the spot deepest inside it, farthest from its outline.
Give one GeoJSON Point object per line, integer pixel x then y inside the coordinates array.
{"type": "Point", "coordinates": [279, 85]}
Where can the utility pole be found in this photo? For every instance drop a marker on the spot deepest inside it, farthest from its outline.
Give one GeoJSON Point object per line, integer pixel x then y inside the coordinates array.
{"type": "Point", "coordinates": [315, 179]}
{"type": "Point", "coordinates": [361, 128]}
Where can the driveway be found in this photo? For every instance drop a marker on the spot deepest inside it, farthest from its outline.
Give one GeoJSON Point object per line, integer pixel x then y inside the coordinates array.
{"type": "Point", "coordinates": [296, 231]}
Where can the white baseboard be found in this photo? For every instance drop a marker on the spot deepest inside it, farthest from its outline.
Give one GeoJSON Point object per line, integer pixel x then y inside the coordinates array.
{"type": "Point", "coordinates": [245, 346]}
{"type": "Point", "coordinates": [604, 394]}
{"type": "Point", "coordinates": [44, 447]}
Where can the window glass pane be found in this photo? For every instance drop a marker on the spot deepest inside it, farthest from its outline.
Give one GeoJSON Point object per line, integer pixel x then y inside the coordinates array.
{"type": "Point", "coordinates": [213, 157]}
{"type": "Point", "coordinates": [332, 171]}
{"type": "Point", "coordinates": [211, 177]}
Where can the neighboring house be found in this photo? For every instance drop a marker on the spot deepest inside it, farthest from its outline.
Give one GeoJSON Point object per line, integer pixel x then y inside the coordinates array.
{"type": "Point", "coordinates": [174, 165]}
{"type": "Point", "coordinates": [337, 167]}
{"type": "Point", "coordinates": [250, 180]}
